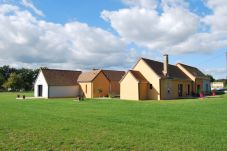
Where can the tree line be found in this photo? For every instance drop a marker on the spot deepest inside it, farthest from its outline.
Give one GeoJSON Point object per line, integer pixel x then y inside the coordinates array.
{"type": "Point", "coordinates": [13, 79]}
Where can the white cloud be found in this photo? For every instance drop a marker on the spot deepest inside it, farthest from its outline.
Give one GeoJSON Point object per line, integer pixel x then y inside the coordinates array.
{"type": "Point", "coordinates": [173, 28]}
{"type": "Point", "coordinates": [27, 41]}
{"type": "Point", "coordinates": [29, 4]}
{"type": "Point", "coordinates": [148, 29]}
{"type": "Point", "coordinates": [218, 19]}
{"type": "Point", "coordinates": [166, 4]}
{"type": "Point", "coordinates": [142, 3]}
{"type": "Point", "coordinates": [166, 26]}
{"type": "Point", "coordinates": [218, 73]}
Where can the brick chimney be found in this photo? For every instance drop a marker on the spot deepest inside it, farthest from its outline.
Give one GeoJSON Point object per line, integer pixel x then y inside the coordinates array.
{"type": "Point", "coordinates": [165, 64]}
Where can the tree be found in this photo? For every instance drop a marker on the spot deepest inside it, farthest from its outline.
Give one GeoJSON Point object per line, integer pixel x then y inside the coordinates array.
{"type": "Point", "coordinates": [6, 71]}
{"type": "Point", "coordinates": [28, 76]}
{"type": "Point", "coordinates": [211, 78]}
{"type": "Point", "coordinates": [14, 82]}
{"type": "Point", "coordinates": [2, 80]}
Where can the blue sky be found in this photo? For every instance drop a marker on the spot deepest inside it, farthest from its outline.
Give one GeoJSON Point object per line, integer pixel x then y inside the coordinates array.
{"type": "Point", "coordinates": [113, 34]}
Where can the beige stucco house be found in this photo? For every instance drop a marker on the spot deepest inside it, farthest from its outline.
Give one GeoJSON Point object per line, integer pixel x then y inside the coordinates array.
{"type": "Point", "coordinates": [100, 83]}
{"type": "Point", "coordinates": [153, 80]}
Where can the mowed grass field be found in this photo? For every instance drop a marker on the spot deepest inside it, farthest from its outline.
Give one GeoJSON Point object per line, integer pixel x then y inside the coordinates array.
{"type": "Point", "coordinates": [63, 124]}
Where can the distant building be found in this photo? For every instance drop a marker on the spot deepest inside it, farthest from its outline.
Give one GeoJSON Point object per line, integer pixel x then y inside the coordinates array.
{"type": "Point", "coordinates": [217, 85]}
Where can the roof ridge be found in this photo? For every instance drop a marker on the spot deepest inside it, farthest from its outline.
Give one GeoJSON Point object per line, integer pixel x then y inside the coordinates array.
{"type": "Point", "coordinates": [157, 61]}
{"type": "Point", "coordinates": [187, 65]}
{"type": "Point", "coordinates": [61, 70]}
{"type": "Point", "coordinates": [112, 70]}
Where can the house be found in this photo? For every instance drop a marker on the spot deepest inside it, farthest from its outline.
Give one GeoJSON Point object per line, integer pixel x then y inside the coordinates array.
{"type": "Point", "coordinates": [201, 82]}
{"type": "Point", "coordinates": [100, 83]}
{"type": "Point", "coordinates": [155, 80]}
{"type": "Point", "coordinates": [52, 83]}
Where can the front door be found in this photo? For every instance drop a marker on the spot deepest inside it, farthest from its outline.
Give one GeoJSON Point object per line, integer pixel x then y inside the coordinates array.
{"type": "Point", "coordinates": [198, 89]}
{"type": "Point", "coordinates": [180, 90]}
{"type": "Point", "coordinates": [40, 90]}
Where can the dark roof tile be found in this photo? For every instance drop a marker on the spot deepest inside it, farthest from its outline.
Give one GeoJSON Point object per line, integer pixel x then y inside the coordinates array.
{"type": "Point", "coordinates": [173, 71]}
{"type": "Point", "coordinates": [193, 70]}
{"type": "Point", "coordinates": [113, 75]}
{"type": "Point", "coordinates": [56, 77]}
{"type": "Point", "coordinates": [138, 76]}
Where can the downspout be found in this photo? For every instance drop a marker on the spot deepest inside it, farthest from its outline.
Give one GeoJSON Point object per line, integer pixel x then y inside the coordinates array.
{"type": "Point", "coordinates": [92, 90]}
{"type": "Point", "coordinates": [139, 90]}
{"type": "Point", "coordinates": [195, 88]}
{"type": "Point", "coordinates": [48, 91]}
{"type": "Point", "coordinates": [160, 92]}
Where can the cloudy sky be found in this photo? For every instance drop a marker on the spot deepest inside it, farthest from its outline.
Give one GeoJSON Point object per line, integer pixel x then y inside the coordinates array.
{"type": "Point", "coordinates": [113, 34]}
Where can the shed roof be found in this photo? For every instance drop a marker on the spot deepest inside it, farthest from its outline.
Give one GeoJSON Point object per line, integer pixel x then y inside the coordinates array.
{"type": "Point", "coordinates": [173, 71]}
{"type": "Point", "coordinates": [138, 76]}
{"type": "Point", "coordinates": [55, 77]}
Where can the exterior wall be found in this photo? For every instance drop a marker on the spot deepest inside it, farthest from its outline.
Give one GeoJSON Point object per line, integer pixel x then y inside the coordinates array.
{"type": "Point", "coordinates": [63, 91]}
{"type": "Point", "coordinates": [185, 84]}
{"type": "Point", "coordinates": [169, 88]}
{"type": "Point", "coordinates": [129, 88]}
{"type": "Point", "coordinates": [198, 82]}
{"type": "Point", "coordinates": [100, 82]}
{"type": "Point", "coordinates": [41, 81]}
{"type": "Point", "coordinates": [206, 86]}
{"type": "Point", "coordinates": [88, 93]}
{"type": "Point", "coordinates": [143, 88]}
{"type": "Point", "coordinates": [152, 78]}
{"type": "Point", "coordinates": [115, 87]}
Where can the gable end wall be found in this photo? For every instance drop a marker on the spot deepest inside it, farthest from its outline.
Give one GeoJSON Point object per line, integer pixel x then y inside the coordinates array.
{"type": "Point", "coordinates": [152, 78]}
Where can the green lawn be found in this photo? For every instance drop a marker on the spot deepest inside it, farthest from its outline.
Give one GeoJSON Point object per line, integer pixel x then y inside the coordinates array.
{"type": "Point", "coordinates": [63, 124]}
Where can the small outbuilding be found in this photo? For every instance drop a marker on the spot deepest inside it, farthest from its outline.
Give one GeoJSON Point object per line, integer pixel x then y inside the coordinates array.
{"type": "Point", "coordinates": [53, 83]}
{"type": "Point", "coordinates": [100, 83]}
{"type": "Point", "coordinates": [94, 84]}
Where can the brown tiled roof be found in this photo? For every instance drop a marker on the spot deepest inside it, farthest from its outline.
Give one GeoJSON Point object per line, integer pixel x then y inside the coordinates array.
{"type": "Point", "coordinates": [88, 76]}
{"type": "Point", "coordinates": [173, 71]}
{"type": "Point", "coordinates": [193, 70]}
{"type": "Point", "coordinates": [113, 75]}
{"type": "Point", "coordinates": [138, 76]}
{"type": "Point", "coordinates": [56, 77]}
